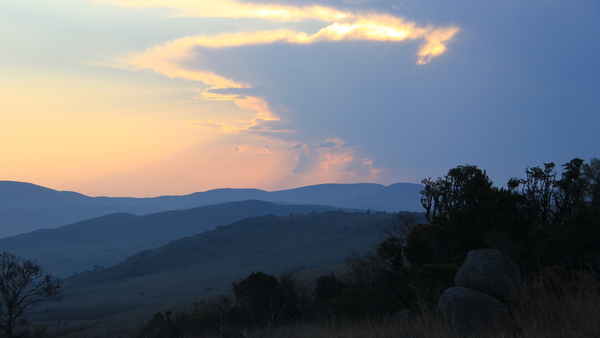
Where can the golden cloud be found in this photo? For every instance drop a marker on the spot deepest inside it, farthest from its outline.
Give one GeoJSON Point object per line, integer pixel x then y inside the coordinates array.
{"type": "Point", "coordinates": [235, 9]}
{"type": "Point", "coordinates": [165, 58]}
{"type": "Point", "coordinates": [346, 26]}
{"type": "Point", "coordinates": [169, 59]}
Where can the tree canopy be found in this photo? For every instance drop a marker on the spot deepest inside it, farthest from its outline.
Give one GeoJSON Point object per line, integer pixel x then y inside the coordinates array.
{"type": "Point", "coordinates": [547, 217]}
{"type": "Point", "coordinates": [23, 286]}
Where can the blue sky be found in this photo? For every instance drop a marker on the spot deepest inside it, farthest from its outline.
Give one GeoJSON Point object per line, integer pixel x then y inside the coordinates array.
{"type": "Point", "coordinates": [111, 97]}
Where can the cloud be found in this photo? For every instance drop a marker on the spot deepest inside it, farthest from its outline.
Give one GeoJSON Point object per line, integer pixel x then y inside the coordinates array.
{"type": "Point", "coordinates": [244, 148]}
{"type": "Point", "coordinates": [208, 125]}
{"type": "Point", "coordinates": [358, 2]}
{"type": "Point", "coordinates": [336, 163]}
{"type": "Point", "coordinates": [181, 58]}
{"type": "Point", "coordinates": [170, 59]}
{"type": "Point", "coordinates": [240, 149]}
{"type": "Point", "coordinates": [236, 10]}
{"type": "Point", "coordinates": [163, 59]}
{"type": "Point", "coordinates": [263, 150]}
{"type": "Point", "coordinates": [328, 144]}
{"type": "Point", "coordinates": [239, 92]}
{"type": "Point", "coordinates": [305, 163]}
{"type": "Point", "coordinates": [345, 26]}
{"type": "Point", "coordinates": [332, 158]}
{"type": "Point", "coordinates": [258, 125]}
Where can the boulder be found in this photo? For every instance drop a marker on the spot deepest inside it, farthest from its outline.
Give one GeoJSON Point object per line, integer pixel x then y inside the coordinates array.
{"type": "Point", "coordinates": [491, 272]}
{"type": "Point", "coordinates": [469, 311]}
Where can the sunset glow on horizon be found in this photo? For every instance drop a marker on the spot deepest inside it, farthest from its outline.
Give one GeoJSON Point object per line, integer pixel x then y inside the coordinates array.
{"type": "Point", "coordinates": [148, 98]}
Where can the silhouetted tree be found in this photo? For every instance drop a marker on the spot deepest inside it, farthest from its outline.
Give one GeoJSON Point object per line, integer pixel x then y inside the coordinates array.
{"type": "Point", "coordinates": [466, 212]}
{"type": "Point", "coordinates": [327, 288]}
{"type": "Point", "coordinates": [546, 218]}
{"type": "Point", "coordinates": [23, 286]}
{"type": "Point", "coordinates": [264, 299]}
{"type": "Point", "coordinates": [591, 172]}
{"type": "Point", "coordinates": [463, 185]}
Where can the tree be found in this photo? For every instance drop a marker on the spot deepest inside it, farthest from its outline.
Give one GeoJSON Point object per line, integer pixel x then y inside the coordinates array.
{"type": "Point", "coordinates": [466, 212]}
{"type": "Point", "coordinates": [546, 218]}
{"type": "Point", "coordinates": [463, 186]}
{"type": "Point", "coordinates": [265, 299]}
{"type": "Point", "coordinates": [538, 189]}
{"type": "Point", "coordinates": [591, 172]}
{"type": "Point", "coordinates": [23, 286]}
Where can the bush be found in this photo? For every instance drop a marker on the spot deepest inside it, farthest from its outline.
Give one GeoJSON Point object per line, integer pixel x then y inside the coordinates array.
{"type": "Point", "coordinates": [264, 299]}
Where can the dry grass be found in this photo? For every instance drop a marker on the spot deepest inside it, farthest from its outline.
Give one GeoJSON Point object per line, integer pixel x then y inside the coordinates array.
{"type": "Point", "coordinates": [388, 328]}
{"type": "Point", "coordinates": [558, 305]}
{"type": "Point", "coordinates": [553, 304]}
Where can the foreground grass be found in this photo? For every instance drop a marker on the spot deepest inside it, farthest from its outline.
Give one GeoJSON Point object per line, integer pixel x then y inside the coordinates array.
{"type": "Point", "coordinates": [556, 304]}
{"type": "Point", "coordinates": [553, 304]}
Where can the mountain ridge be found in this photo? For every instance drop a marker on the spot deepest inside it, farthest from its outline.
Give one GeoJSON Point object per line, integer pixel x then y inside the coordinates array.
{"type": "Point", "coordinates": [108, 239]}
{"type": "Point", "coordinates": [25, 207]}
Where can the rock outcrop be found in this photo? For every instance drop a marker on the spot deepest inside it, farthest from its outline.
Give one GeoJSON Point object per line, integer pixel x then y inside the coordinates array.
{"type": "Point", "coordinates": [469, 311]}
{"type": "Point", "coordinates": [491, 272]}
{"type": "Point", "coordinates": [487, 281]}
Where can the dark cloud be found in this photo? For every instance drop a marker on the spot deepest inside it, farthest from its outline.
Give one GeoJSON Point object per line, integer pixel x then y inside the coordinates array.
{"type": "Point", "coordinates": [517, 87]}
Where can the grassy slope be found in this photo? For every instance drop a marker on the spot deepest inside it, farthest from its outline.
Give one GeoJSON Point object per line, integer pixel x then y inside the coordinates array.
{"type": "Point", "coordinates": [184, 270]}
{"type": "Point", "coordinates": [108, 240]}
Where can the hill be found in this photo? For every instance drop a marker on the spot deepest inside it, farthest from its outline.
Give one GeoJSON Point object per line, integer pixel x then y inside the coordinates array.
{"type": "Point", "coordinates": [108, 240]}
{"type": "Point", "coordinates": [203, 265]}
{"type": "Point", "coordinates": [26, 207]}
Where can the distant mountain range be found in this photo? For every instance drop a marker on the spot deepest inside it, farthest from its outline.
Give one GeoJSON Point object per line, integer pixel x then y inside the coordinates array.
{"type": "Point", "coordinates": [109, 239]}
{"type": "Point", "coordinates": [179, 248]}
{"type": "Point", "coordinates": [26, 207]}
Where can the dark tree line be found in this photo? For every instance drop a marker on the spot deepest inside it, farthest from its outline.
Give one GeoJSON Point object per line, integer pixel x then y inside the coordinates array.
{"type": "Point", "coordinates": [545, 218]}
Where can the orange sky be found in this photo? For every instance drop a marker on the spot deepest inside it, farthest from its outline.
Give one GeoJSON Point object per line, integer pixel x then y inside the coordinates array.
{"type": "Point", "coordinates": [169, 97]}
{"type": "Point", "coordinates": [133, 122]}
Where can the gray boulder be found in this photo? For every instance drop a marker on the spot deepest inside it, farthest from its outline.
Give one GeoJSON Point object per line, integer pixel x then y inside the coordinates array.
{"type": "Point", "coordinates": [470, 311]}
{"type": "Point", "coordinates": [491, 272]}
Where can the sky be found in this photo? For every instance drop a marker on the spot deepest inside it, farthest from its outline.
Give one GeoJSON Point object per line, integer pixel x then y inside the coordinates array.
{"type": "Point", "coordinates": [170, 97]}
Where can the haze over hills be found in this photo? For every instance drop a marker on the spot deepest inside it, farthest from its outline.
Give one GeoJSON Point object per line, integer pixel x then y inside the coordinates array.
{"type": "Point", "coordinates": [202, 265]}
{"type": "Point", "coordinates": [109, 239]}
{"type": "Point", "coordinates": [141, 261]}
{"type": "Point", "coordinates": [26, 207]}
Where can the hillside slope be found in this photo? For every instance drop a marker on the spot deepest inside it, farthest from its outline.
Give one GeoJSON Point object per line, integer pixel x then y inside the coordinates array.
{"type": "Point", "coordinates": [109, 239]}
{"type": "Point", "coordinates": [202, 265]}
